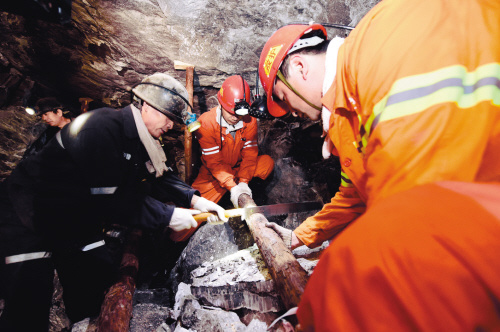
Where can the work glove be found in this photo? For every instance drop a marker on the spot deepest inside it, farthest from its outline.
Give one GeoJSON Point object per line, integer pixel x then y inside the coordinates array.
{"type": "Point", "coordinates": [284, 233]}
{"type": "Point", "coordinates": [204, 205]}
{"type": "Point", "coordinates": [183, 219]}
{"type": "Point", "coordinates": [236, 191]}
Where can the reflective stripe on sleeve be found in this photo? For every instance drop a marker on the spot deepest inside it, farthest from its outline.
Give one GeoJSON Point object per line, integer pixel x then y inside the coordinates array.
{"type": "Point", "coordinates": [345, 181]}
{"type": "Point", "coordinates": [92, 245]}
{"type": "Point", "coordinates": [27, 257]}
{"type": "Point", "coordinates": [249, 144]}
{"type": "Point", "coordinates": [210, 151]}
{"type": "Point", "coordinates": [103, 190]}
{"type": "Point", "coordinates": [454, 84]}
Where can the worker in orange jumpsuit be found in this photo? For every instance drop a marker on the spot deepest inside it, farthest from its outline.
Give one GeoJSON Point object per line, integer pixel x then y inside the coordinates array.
{"type": "Point", "coordinates": [229, 151]}
{"type": "Point", "coordinates": [411, 101]}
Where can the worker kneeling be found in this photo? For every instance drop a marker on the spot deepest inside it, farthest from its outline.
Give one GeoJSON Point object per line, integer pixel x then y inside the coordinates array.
{"type": "Point", "coordinates": [228, 140]}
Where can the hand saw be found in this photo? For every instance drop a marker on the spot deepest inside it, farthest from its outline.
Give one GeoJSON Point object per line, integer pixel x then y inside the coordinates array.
{"type": "Point", "coordinates": [267, 210]}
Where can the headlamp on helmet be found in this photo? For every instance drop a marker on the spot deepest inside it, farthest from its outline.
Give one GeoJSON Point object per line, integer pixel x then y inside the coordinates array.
{"type": "Point", "coordinates": [234, 95]}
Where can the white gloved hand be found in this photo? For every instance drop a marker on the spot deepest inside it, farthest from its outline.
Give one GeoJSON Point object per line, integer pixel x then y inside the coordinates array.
{"type": "Point", "coordinates": [183, 219]}
{"type": "Point", "coordinates": [236, 191]}
{"type": "Point", "coordinates": [204, 205]}
{"type": "Point", "coordinates": [284, 233]}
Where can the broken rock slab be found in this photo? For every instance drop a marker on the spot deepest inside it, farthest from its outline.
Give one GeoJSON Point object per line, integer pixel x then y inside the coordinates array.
{"type": "Point", "coordinates": [196, 317]}
{"type": "Point", "coordinates": [239, 280]}
{"type": "Point", "coordinates": [308, 258]}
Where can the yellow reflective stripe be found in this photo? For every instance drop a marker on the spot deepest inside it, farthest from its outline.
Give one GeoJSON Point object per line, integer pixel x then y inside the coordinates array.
{"type": "Point", "coordinates": [362, 137]}
{"type": "Point", "coordinates": [414, 94]}
{"type": "Point", "coordinates": [345, 181]}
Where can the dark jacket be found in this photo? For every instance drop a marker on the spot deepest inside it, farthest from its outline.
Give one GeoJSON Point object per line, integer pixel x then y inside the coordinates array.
{"type": "Point", "coordinates": [97, 177]}
{"type": "Point", "coordinates": [40, 142]}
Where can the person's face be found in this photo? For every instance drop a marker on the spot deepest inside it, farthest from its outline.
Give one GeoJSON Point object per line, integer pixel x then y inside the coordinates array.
{"type": "Point", "coordinates": [53, 119]}
{"type": "Point", "coordinates": [231, 119]}
{"type": "Point", "coordinates": [306, 77]}
{"type": "Point", "coordinates": [156, 122]}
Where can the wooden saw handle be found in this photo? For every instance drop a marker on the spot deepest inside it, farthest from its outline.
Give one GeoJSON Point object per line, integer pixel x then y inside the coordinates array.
{"type": "Point", "coordinates": [202, 216]}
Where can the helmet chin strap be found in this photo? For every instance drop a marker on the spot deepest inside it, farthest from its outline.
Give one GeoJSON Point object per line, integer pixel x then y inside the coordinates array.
{"type": "Point", "coordinates": [283, 79]}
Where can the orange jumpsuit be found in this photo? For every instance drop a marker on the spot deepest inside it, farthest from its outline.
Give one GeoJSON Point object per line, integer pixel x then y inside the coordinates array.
{"type": "Point", "coordinates": [416, 101]}
{"type": "Point", "coordinates": [223, 168]}
{"type": "Point", "coordinates": [237, 160]}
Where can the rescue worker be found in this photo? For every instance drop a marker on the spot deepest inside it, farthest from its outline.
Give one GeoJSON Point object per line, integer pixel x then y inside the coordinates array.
{"type": "Point", "coordinates": [228, 142]}
{"type": "Point", "coordinates": [229, 150]}
{"type": "Point", "coordinates": [415, 117]}
{"type": "Point", "coordinates": [53, 113]}
{"type": "Point", "coordinates": [106, 167]}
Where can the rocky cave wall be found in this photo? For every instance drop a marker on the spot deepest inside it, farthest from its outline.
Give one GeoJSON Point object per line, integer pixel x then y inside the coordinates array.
{"type": "Point", "coordinates": [110, 45]}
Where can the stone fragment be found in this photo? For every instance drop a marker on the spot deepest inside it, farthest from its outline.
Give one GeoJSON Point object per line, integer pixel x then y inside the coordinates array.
{"type": "Point", "coordinates": [201, 319]}
{"type": "Point", "coordinates": [149, 317]}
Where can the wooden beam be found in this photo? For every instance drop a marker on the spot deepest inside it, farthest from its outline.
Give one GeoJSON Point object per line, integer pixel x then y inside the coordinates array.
{"type": "Point", "coordinates": [288, 275]}
{"type": "Point", "coordinates": [116, 309]}
{"type": "Point", "coordinates": [188, 137]}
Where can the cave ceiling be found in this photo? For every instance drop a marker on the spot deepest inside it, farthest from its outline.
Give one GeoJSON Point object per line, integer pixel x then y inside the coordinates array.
{"type": "Point", "coordinates": [104, 47]}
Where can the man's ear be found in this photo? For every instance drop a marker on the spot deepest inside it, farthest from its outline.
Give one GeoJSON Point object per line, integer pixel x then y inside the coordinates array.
{"type": "Point", "coordinates": [144, 107]}
{"type": "Point", "coordinates": [59, 112]}
{"type": "Point", "coordinates": [299, 66]}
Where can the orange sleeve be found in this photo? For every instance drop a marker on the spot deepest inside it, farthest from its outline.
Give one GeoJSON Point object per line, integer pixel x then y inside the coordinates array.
{"type": "Point", "coordinates": [249, 153]}
{"type": "Point", "coordinates": [344, 207]}
{"type": "Point", "coordinates": [212, 157]}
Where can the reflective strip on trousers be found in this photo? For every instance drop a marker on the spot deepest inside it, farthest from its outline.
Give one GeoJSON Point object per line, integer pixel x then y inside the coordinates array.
{"type": "Point", "coordinates": [454, 84]}
{"type": "Point", "coordinates": [27, 257]}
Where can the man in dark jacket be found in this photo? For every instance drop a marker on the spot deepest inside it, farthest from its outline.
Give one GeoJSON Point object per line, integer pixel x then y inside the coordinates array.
{"type": "Point", "coordinates": [106, 167]}
{"type": "Point", "coordinates": [55, 115]}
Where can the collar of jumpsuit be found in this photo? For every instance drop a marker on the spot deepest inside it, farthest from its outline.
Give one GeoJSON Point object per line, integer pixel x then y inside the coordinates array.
{"type": "Point", "coordinates": [223, 123]}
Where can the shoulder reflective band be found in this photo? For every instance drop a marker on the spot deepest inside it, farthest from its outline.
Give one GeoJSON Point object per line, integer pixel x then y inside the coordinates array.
{"type": "Point", "coordinates": [414, 94]}
{"type": "Point", "coordinates": [93, 245]}
{"type": "Point", "coordinates": [103, 190]}
{"type": "Point", "coordinates": [27, 257]}
{"type": "Point", "coordinates": [345, 181]}
{"type": "Point", "coordinates": [283, 79]}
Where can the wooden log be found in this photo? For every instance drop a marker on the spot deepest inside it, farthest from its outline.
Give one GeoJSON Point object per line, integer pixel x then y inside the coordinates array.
{"type": "Point", "coordinates": [116, 309]}
{"type": "Point", "coordinates": [85, 101]}
{"type": "Point", "coordinates": [289, 276]}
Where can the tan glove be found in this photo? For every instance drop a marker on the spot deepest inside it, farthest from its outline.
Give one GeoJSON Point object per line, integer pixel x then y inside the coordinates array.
{"type": "Point", "coordinates": [284, 233]}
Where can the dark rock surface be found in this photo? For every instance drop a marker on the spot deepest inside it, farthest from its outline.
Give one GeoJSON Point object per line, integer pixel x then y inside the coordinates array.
{"type": "Point", "coordinates": [110, 45]}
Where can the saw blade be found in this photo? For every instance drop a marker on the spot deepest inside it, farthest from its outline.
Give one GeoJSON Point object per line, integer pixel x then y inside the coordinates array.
{"type": "Point", "coordinates": [281, 208]}
{"type": "Point", "coordinates": [266, 210]}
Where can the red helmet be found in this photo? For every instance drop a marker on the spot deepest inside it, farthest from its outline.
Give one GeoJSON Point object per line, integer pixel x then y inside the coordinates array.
{"type": "Point", "coordinates": [231, 93]}
{"type": "Point", "coordinates": [272, 55]}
